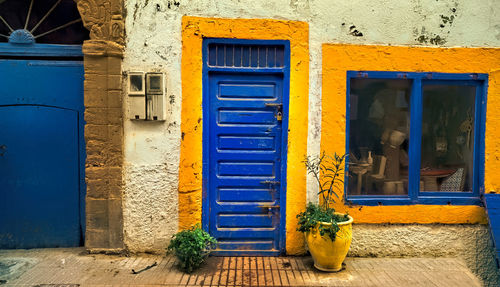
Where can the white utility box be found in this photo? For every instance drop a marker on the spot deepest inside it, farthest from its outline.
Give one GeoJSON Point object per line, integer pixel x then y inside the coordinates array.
{"type": "Point", "coordinates": [155, 94]}
{"type": "Point", "coordinates": [136, 96]}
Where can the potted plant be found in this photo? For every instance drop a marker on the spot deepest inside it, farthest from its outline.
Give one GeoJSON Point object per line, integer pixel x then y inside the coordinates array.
{"type": "Point", "coordinates": [191, 247]}
{"type": "Point", "coordinates": [328, 234]}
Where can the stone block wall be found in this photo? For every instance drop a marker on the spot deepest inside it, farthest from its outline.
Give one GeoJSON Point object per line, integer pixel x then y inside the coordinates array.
{"type": "Point", "coordinates": [104, 144]}
{"type": "Point", "coordinates": [103, 100]}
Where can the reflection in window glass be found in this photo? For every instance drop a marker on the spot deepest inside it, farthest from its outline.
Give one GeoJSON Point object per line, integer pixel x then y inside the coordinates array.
{"type": "Point", "coordinates": [379, 136]}
{"type": "Point", "coordinates": [447, 138]}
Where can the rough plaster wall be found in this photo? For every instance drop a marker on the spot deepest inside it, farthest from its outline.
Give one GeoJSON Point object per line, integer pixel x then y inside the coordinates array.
{"type": "Point", "coordinates": [154, 43]}
{"type": "Point", "coordinates": [470, 242]}
{"type": "Point", "coordinates": [150, 210]}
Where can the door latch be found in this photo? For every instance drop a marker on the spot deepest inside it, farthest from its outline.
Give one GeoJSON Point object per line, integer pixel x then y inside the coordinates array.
{"type": "Point", "coordinates": [270, 182]}
{"type": "Point", "coordinates": [279, 116]}
{"type": "Point", "coordinates": [278, 105]}
{"type": "Point", "coordinates": [270, 208]}
{"type": "Point", "coordinates": [279, 110]}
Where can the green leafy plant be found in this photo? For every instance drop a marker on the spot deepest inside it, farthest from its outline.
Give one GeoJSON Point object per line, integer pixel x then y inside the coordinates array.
{"type": "Point", "coordinates": [328, 172]}
{"type": "Point", "coordinates": [191, 247]}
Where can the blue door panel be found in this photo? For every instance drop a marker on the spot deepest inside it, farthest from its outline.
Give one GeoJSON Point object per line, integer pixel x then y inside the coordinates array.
{"type": "Point", "coordinates": [236, 194]}
{"type": "Point", "coordinates": [239, 168]}
{"type": "Point", "coordinates": [245, 142]}
{"type": "Point", "coordinates": [225, 235]}
{"type": "Point", "coordinates": [42, 153]}
{"type": "Point", "coordinates": [247, 208]}
{"type": "Point", "coordinates": [244, 159]}
{"type": "Point", "coordinates": [237, 245]}
{"type": "Point", "coordinates": [38, 175]}
{"type": "Point", "coordinates": [248, 116]}
{"type": "Point", "coordinates": [235, 130]}
{"type": "Point", "coordinates": [244, 91]}
{"type": "Point", "coordinates": [245, 220]}
{"type": "Point", "coordinates": [36, 82]}
{"type": "Point", "coordinates": [263, 160]}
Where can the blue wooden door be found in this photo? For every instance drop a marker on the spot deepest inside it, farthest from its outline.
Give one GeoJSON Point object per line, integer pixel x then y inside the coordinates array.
{"type": "Point", "coordinates": [492, 204]}
{"type": "Point", "coordinates": [41, 153]}
{"type": "Point", "coordinates": [244, 161]}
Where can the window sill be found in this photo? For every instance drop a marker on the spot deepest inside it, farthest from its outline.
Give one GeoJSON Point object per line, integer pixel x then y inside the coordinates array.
{"type": "Point", "coordinates": [404, 200]}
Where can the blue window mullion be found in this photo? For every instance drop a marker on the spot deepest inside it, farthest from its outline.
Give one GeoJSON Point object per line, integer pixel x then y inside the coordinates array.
{"type": "Point", "coordinates": [478, 158]}
{"type": "Point", "coordinates": [415, 139]}
{"type": "Point", "coordinates": [348, 131]}
{"type": "Point", "coordinates": [482, 136]}
{"type": "Point", "coordinates": [475, 165]}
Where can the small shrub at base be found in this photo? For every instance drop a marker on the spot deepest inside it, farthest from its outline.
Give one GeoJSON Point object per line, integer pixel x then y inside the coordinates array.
{"type": "Point", "coordinates": [191, 247]}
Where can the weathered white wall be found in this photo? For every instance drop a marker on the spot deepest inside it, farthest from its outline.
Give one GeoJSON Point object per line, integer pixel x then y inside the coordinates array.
{"type": "Point", "coordinates": [153, 29]}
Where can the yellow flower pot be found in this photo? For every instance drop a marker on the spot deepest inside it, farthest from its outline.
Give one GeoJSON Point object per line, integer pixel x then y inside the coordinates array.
{"type": "Point", "coordinates": [328, 255]}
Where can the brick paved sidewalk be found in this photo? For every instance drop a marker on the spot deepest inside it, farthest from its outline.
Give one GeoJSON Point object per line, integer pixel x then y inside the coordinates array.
{"type": "Point", "coordinates": [52, 267]}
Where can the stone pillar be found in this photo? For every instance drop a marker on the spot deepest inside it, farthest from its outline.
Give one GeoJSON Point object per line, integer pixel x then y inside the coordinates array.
{"type": "Point", "coordinates": [103, 55]}
{"type": "Point", "coordinates": [104, 145]}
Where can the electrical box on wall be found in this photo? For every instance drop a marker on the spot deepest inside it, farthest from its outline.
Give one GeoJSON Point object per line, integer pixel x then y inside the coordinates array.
{"type": "Point", "coordinates": [137, 96]}
{"type": "Point", "coordinates": [155, 95]}
{"type": "Point", "coordinates": [146, 96]}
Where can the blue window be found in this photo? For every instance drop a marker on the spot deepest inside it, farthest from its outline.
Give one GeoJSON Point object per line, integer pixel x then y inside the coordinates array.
{"type": "Point", "coordinates": [415, 138]}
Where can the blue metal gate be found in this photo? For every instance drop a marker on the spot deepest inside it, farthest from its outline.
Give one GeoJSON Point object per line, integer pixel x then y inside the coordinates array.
{"type": "Point", "coordinates": [41, 153]}
{"type": "Point", "coordinates": [245, 128]}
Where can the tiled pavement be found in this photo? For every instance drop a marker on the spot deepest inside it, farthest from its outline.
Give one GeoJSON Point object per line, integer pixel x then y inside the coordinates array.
{"type": "Point", "coordinates": [74, 267]}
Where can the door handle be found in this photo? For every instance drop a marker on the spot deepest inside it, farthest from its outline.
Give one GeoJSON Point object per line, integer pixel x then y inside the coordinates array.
{"type": "Point", "coordinates": [270, 182]}
{"type": "Point", "coordinates": [2, 149]}
{"type": "Point", "coordinates": [275, 105]}
{"type": "Point", "coordinates": [270, 207]}
{"type": "Point", "coordinates": [279, 110]}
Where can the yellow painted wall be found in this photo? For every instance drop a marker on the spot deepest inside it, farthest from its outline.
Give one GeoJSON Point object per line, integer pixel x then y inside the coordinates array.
{"type": "Point", "coordinates": [339, 58]}
{"type": "Point", "coordinates": [190, 168]}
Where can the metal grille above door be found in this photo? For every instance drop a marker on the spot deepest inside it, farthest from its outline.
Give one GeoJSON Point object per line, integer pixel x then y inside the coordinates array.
{"type": "Point", "coordinates": [41, 21]}
{"type": "Point", "coordinates": [247, 56]}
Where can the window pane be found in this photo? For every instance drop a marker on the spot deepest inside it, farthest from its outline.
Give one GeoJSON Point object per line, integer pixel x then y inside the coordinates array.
{"type": "Point", "coordinates": [447, 138]}
{"type": "Point", "coordinates": [379, 136]}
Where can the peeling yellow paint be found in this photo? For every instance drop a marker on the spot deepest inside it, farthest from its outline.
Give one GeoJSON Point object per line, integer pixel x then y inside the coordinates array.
{"type": "Point", "coordinates": [339, 58]}
{"type": "Point", "coordinates": [190, 169]}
